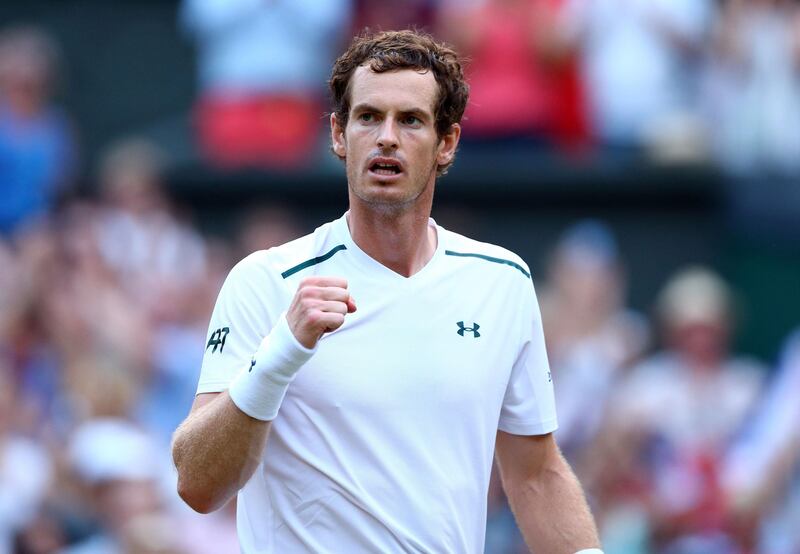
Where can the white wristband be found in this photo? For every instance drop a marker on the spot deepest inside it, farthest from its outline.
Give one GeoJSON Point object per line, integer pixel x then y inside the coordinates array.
{"type": "Point", "coordinates": [590, 551]}
{"type": "Point", "coordinates": [259, 389]}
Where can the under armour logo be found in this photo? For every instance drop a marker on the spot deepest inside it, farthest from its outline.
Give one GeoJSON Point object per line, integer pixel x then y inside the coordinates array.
{"type": "Point", "coordinates": [252, 364]}
{"type": "Point", "coordinates": [473, 329]}
{"type": "Point", "coordinates": [218, 339]}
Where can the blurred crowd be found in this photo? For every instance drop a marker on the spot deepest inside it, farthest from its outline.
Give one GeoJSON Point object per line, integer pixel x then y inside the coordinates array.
{"type": "Point", "coordinates": [684, 447]}
{"type": "Point", "coordinates": [671, 80]}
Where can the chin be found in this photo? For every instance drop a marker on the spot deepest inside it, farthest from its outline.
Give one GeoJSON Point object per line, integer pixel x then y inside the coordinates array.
{"type": "Point", "coordinates": [385, 200]}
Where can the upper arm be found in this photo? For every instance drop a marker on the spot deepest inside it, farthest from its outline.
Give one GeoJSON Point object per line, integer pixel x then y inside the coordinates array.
{"type": "Point", "coordinates": [529, 402]}
{"type": "Point", "coordinates": [524, 457]}
{"type": "Point", "coordinates": [249, 302]}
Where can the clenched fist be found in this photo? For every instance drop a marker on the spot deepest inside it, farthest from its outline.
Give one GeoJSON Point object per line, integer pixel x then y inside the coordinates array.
{"type": "Point", "coordinates": [318, 307]}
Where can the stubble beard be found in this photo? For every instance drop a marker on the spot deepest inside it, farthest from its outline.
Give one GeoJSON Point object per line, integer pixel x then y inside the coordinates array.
{"type": "Point", "coordinates": [392, 208]}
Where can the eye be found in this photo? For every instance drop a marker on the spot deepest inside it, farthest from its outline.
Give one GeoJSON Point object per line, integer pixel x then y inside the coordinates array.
{"type": "Point", "coordinates": [366, 117]}
{"type": "Point", "coordinates": [411, 120]}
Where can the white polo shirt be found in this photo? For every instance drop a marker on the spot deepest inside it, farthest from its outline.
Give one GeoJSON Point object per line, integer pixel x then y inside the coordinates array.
{"type": "Point", "coordinates": [385, 439]}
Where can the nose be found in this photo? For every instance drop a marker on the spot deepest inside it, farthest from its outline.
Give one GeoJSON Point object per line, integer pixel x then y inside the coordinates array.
{"type": "Point", "coordinates": [387, 134]}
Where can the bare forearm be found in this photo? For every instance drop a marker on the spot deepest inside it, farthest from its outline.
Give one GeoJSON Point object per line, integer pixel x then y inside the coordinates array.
{"type": "Point", "coordinates": [552, 512]}
{"type": "Point", "coordinates": [216, 450]}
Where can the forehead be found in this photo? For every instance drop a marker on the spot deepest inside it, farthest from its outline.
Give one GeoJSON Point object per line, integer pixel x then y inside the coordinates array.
{"type": "Point", "coordinates": [401, 89]}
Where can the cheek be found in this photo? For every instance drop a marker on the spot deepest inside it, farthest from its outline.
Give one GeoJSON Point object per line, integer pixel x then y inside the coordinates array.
{"type": "Point", "coordinates": [355, 143]}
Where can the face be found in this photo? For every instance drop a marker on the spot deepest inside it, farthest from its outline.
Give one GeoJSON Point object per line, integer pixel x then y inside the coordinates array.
{"type": "Point", "coordinates": [389, 144]}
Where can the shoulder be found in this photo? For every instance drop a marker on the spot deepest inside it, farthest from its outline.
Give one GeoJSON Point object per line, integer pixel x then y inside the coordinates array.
{"type": "Point", "coordinates": [280, 262]}
{"type": "Point", "coordinates": [484, 257]}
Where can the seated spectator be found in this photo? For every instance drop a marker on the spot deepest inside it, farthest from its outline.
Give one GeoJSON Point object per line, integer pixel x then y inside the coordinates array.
{"type": "Point", "coordinates": [262, 69]}
{"type": "Point", "coordinates": [36, 144]}
{"type": "Point", "coordinates": [639, 60]}
{"type": "Point", "coordinates": [522, 85]}
{"type": "Point", "coordinates": [675, 416]}
{"type": "Point", "coordinates": [753, 86]}
{"type": "Point", "coordinates": [591, 337]}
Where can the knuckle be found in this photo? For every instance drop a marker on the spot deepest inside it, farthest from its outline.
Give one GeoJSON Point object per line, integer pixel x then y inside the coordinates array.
{"type": "Point", "coordinates": [309, 296]}
{"type": "Point", "coordinates": [313, 317]}
{"type": "Point", "coordinates": [304, 292]}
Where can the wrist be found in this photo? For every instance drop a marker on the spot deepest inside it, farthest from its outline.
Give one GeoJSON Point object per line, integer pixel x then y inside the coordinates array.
{"type": "Point", "coordinates": [259, 388]}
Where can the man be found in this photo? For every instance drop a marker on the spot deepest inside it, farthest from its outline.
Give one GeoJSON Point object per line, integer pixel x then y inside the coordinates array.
{"type": "Point", "coordinates": [382, 421]}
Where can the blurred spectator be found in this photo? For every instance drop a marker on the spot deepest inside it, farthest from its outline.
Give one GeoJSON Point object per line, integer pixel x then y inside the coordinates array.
{"type": "Point", "coordinates": [640, 64]}
{"type": "Point", "coordinates": [262, 68]}
{"type": "Point", "coordinates": [522, 81]}
{"type": "Point", "coordinates": [120, 469]}
{"type": "Point", "coordinates": [761, 475]}
{"type": "Point", "coordinates": [753, 86]}
{"type": "Point", "coordinates": [671, 423]}
{"type": "Point", "coordinates": [139, 236]}
{"type": "Point", "coordinates": [160, 263]}
{"type": "Point", "coordinates": [129, 489]}
{"type": "Point", "coordinates": [36, 145]}
{"type": "Point", "coordinates": [26, 470]}
{"type": "Point", "coordinates": [591, 337]}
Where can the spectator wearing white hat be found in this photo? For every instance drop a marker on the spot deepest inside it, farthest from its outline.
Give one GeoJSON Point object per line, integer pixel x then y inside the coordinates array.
{"type": "Point", "coordinates": [677, 413]}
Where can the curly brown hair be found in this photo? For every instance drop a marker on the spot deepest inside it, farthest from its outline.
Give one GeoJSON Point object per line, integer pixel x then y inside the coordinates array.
{"type": "Point", "coordinates": [408, 49]}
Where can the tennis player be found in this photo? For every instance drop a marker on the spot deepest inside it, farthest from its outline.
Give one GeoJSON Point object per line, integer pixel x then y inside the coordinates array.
{"type": "Point", "coordinates": [358, 381]}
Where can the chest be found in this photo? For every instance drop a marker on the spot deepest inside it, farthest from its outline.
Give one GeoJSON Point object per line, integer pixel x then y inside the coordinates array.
{"type": "Point", "coordinates": [413, 349]}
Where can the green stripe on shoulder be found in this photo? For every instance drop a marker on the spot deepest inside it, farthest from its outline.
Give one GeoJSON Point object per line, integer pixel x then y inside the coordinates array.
{"type": "Point", "coordinates": [313, 261]}
{"type": "Point", "coordinates": [489, 259]}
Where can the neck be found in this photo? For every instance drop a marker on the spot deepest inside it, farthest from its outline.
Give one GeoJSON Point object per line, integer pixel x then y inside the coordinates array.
{"type": "Point", "coordinates": [399, 239]}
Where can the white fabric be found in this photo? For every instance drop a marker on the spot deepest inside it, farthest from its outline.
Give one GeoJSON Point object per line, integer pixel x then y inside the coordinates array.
{"type": "Point", "coordinates": [771, 429]}
{"type": "Point", "coordinates": [26, 474]}
{"type": "Point", "coordinates": [251, 46]}
{"type": "Point", "coordinates": [259, 389]}
{"type": "Point", "coordinates": [753, 95]}
{"type": "Point", "coordinates": [634, 68]}
{"type": "Point", "coordinates": [385, 439]}
{"type": "Point", "coordinates": [665, 396]}
{"type": "Point", "coordinates": [110, 449]}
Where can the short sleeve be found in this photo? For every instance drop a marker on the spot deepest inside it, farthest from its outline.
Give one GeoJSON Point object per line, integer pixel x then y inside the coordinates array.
{"type": "Point", "coordinates": [248, 304]}
{"type": "Point", "coordinates": [529, 404]}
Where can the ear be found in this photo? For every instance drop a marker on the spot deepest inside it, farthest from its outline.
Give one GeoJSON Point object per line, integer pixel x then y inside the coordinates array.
{"type": "Point", "coordinates": [338, 143]}
{"type": "Point", "coordinates": [448, 145]}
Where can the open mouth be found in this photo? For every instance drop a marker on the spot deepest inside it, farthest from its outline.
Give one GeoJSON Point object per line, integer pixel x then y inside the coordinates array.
{"type": "Point", "coordinates": [384, 167]}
